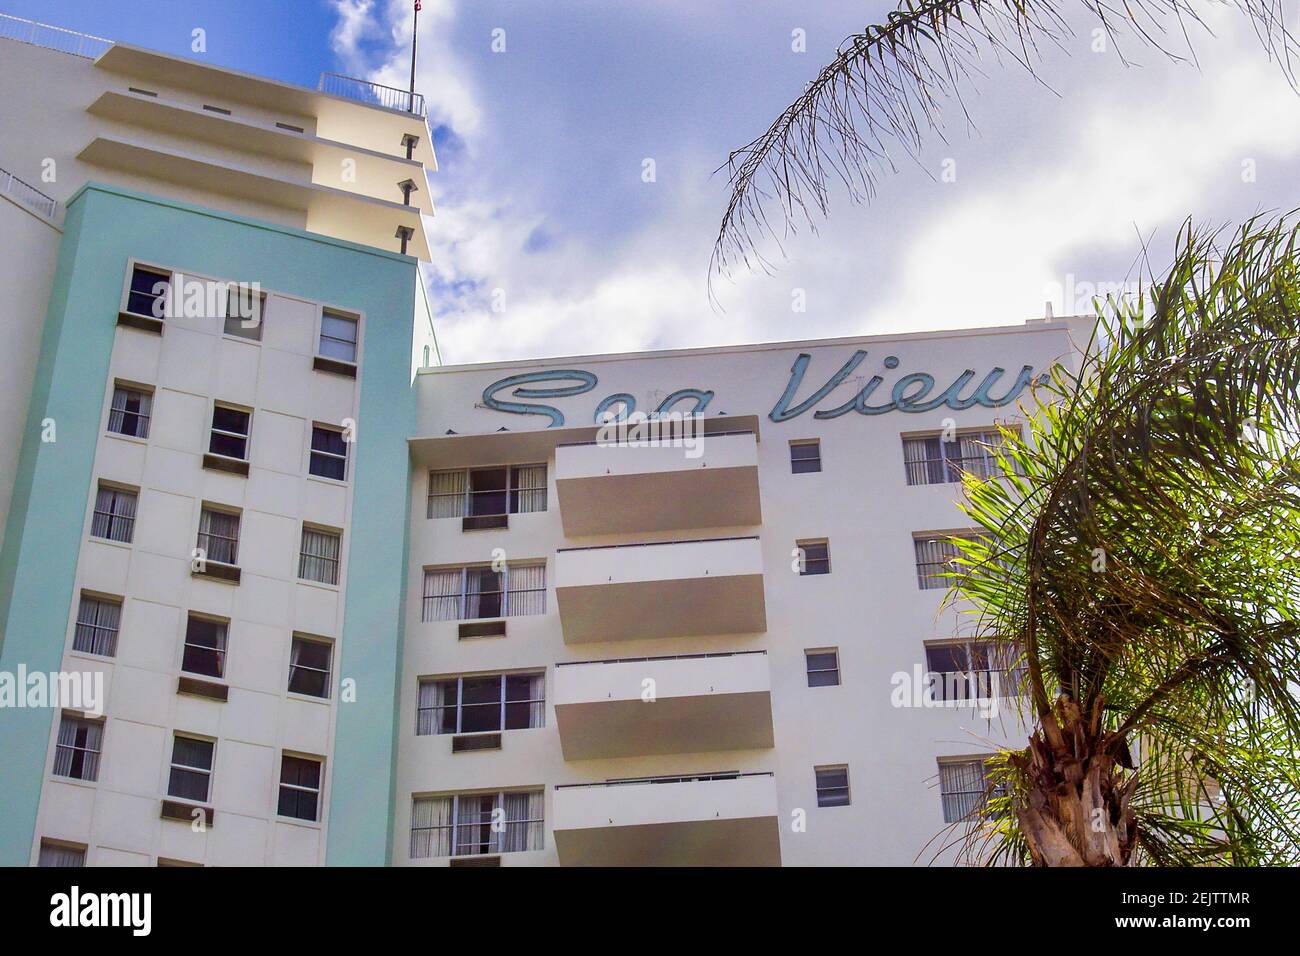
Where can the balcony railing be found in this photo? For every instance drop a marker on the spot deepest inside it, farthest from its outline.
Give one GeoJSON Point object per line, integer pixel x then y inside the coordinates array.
{"type": "Point", "coordinates": [376, 94]}
{"type": "Point", "coordinates": [52, 38]}
{"type": "Point", "coordinates": [29, 196]}
{"type": "Point", "coordinates": [689, 778]}
{"type": "Point", "coordinates": [659, 657]}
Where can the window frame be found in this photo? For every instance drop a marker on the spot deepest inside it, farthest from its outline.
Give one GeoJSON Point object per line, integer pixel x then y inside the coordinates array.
{"type": "Point", "coordinates": [820, 788]}
{"type": "Point", "coordinates": [802, 544]}
{"type": "Point", "coordinates": [313, 451]}
{"type": "Point", "coordinates": [237, 514]}
{"type": "Point", "coordinates": [939, 689]}
{"type": "Point", "coordinates": [214, 431]}
{"type": "Point", "coordinates": [234, 287]}
{"type": "Point", "coordinates": [220, 652]}
{"type": "Point", "coordinates": [80, 719]}
{"type": "Point", "coordinates": [98, 598]}
{"type": "Point", "coordinates": [805, 443]}
{"type": "Point", "coordinates": [338, 313]}
{"type": "Point", "coordinates": [502, 703]}
{"type": "Point", "coordinates": [144, 391]}
{"type": "Point", "coordinates": [979, 808]}
{"type": "Point", "coordinates": [809, 670]}
{"type": "Point", "coordinates": [304, 557]}
{"type": "Point", "coordinates": [207, 772]}
{"type": "Point", "coordinates": [511, 492]}
{"type": "Point", "coordinates": [328, 672]}
{"type": "Point", "coordinates": [124, 303]}
{"type": "Point", "coordinates": [945, 539]}
{"type": "Point", "coordinates": [464, 594]}
{"type": "Point", "coordinates": [113, 518]}
{"type": "Point", "coordinates": [53, 844]}
{"type": "Point", "coordinates": [495, 840]}
{"type": "Point", "coordinates": [952, 466]}
{"type": "Point", "coordinates": [318, 791]}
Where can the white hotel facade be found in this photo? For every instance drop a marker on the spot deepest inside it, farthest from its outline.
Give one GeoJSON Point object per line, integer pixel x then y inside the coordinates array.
{"type": "Point", "coordinates": [435, 616]}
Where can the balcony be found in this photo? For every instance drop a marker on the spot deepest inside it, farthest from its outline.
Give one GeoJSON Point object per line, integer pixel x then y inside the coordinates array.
{"type": "Point", "coordinates": [700, 702]}
{"type": "Point", "coordinates": [665, 589]}
{"type": "Point", "coordinates": [705, 820]}
{"type": "Point", "coordinates": [612, 488]}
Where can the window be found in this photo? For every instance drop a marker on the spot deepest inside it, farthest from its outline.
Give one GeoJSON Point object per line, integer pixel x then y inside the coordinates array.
{"type": "Point", "coordinates": [461, 824]}
{"type": "Point", "coordinates": [319, 558]}
{"type": "Point", "coordinates": [935, 555]}
{"type": "Point", "coordinates": [931, 460]}
{"type": "Point", "coordinates": [299, 787]}
{"type": "Point", "coordinates": [76, 753]}
{"type": "Point", "coordinates": [832, 786]}
{"type": "Point", "coordinates": [338, 336]}
{"type": "Point", "coordinates": [244, 311]}
{"type": "Point", "coordinates": [219, 536]}
{"type": "Point", "coordinates": [61, 854]}
{"type": "Point", "coordinates": [309, 667]}
{"type": "Point", "coordinates": [148, 292]}
{"type": "Point", "coordinates": [130, 412]}
{"type": "Point", "coordinates": [230, 432]}
{"type": "Point", "coordinates": [453, 594]}
{"type": "Point", "coordinates": [815, 557]}
{"type": "Point", "coordinates": [466, 705]}
{"type": "Point", "coordinates": [205, 647]}
{"type": "Point", "coordinates": [514, 489]}
{"type": "Point", "coordinates": [965, 788]}
{"type": "Point", "coordinates": [970, 670]}
{"type": "Point", "coordinates": [823, 667]}
{"type": "Point", "coordinates": [114, 518]}
{"type": "Point", "coordinates": [191, 773]}
{"type": "Point", "coordinates": [97, 623]}
{"type": "Point", "coordinates": [329, 453]}
{"type": "Point", "coordinates": [805, 456]}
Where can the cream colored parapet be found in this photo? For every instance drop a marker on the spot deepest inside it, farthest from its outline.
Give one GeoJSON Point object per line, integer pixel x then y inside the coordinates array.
{"type": "Point", "coordinates": [703, 820]}
{"type": "Point", "coordinates": [664, 589]}
{"type": "Point", "coordinates": [696, 703]}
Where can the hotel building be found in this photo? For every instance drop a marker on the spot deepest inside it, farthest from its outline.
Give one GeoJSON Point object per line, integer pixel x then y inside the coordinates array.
{"type": "Point", "coordinates": [354, 607]}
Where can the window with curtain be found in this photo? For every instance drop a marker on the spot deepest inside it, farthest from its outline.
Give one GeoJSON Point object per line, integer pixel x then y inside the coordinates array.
{"type": "Point", "coordinates": [967, 670]}
{"type": "Point", "coordinates": [219, 536]}
{"type": "Point", "coordinates": [935, 555]}
{"type": "Point", "coordinates": [76, 754]}
{"type": "Point", "coordinates": [338, 336]}
{"type": "Point", "coordinates": [299, 787]}
{"type": "Point", "coordinates": [130, 412]}
{"type": "Point", "coordinates": [464, 705]}
{"type": "Point", "coordinates": [513, 489]}
{"type": "Point", "coordinates": [191, 769]}
{"type": "Point", "coordinates": [477, 592]}
{"type": "Point", "coordinates": [98, 620]}
{"type": "Point", "coordinates": [309, 667]}
{"type": "Point", "coordinates": [205, 647]}
{"type": "Point", "coordinates": [965, 788]}
{"type": "Point", "coordinates": [114, 518]}
{"type": "Point", "coordinates": [59, 854]}
{"type": "Point", "coordinates": [463, 825]}
{"type": "Point", "coordinates": [319, 558]}
{"type": "Point", "coordinates": [931, 460]}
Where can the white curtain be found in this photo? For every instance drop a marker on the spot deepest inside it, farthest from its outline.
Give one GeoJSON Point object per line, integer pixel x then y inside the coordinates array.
{"type": "Point", "coordinates": [916, 455]}
{"type": "Point", "coordinates": [431, 827]}
{"type": "Point", "coordinates": [442, 595]}
{"type": "Point", "coordinates": [53, 855]}
{"type": "Point", "coordinates": [219, 536]}
{"type": "Point", "coordinates": [97, 625]}
{"type": "Point", "coordinates": [523, 826]}
{"type": "Point", "coordinates": [483, 597]}
{"type": "Point", "coordinates": [474, 823]}
{"type": "Point", "coordinates": [135, 421]}
{"type": "Point", "coordinates": [977, 451]}
{"type": "Point", "coordinates": [319, 560]}
{"type": "Point", "coordinates": [65, 754]}
{"type": "Point", "coordinates": [527, 589]}
{"type": "Point", "coordinates": [530, 483]}
{"type": "Point", "coordinates": [114, 515]}
{"type": "Point", "coordinates": [447, 494]}
{"type": "Point", "coordinates": [433, 700]}
{"type": "Point", "coordinates": [932, 561]}
{"type": "Point", "coordinates": [963, 786]}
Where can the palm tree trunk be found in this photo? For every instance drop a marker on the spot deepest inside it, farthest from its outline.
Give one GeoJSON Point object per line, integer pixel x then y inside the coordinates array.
{"type": "Point", "coordinates": [1076, 811]}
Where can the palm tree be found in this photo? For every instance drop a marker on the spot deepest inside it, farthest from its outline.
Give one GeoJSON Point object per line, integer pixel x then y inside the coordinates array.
{"type": "Point", "coordinates": [1141, 559]}
{"type": "Point", "coordinates": [886, 87]}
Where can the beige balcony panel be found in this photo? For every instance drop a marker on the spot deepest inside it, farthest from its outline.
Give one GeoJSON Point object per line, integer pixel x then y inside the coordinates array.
{"type": "Point", "coordinates": [670, 589]}
{"type": "Point", "coordinates": [614, 489]}
{"type": "Point", "coordinates": [692, 823]}
{"type": "Point", "coordinates": [699, 704]}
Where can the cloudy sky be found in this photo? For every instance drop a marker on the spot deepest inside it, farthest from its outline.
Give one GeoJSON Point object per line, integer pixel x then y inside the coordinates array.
{"type": "Point", "coordinates": [548, 241]}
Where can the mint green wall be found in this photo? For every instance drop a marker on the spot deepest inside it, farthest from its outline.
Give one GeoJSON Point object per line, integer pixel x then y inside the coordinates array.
{"type": "Point", "coordinates": [105, 226]}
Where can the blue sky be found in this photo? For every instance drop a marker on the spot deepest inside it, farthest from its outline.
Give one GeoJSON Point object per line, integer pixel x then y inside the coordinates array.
{"type": "Point", "coordinates": [548, 242]}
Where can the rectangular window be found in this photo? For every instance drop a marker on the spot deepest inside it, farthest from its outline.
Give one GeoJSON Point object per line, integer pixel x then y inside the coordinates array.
{"type": "Point", "coordinates": [338, 336]}
{"type": "Point", "coordinates": [130, 412]}
{"type": "Point", "coordinates": [319, 558]}
{"type": "Point", "coordinates": [244, 310]}
{"type": "Point", "coordinates": [473, 593]}
{"type": "Point", "coordinates": [932, 460]}
{"type": "Point", "coordinates": [935, 557]}
{"type": "Point", "coordinates": [329, 453]}
{"type": "Point", "coordinates": [309, 667]}
{"type": "Point", "coordinates": [114, 518]}
{"type": "Point", "coordinates": [965, 788]}
{"type": "Point", "coordinates": [76, 755]}
{"type": "Point", "coordinates": [971, 670]}
{"type": "Point", "coordinates": [148, 292]}
{"type": "Point", "coordinates": [230, 428]}
{"type": "Point", "coordinates": [832, 786]}
{"type": "Point", "coordinates": [299, 788]}
{"type": "Point", "coordinates": [814, 557]}
{"type": "Point", "coordinates": [461, 824]}
{"type": "Point", "coordinates": [61, 854]}
{"type": "Point", "coordinates": [823, 667]}
{"type": "Point", "coordinates": [97, 623]}
{"type": "Point", "coordinates": [219, 536]}
{"type": "Point", "coordinates": [466, 705]}
{"type": "Point", "coordinates": [205, 647]}
{"type": "Point", "coordinates": [513, 489]}
{"type": "Point", "coordinates": [191, 772]}
{"type": "Point", "coordinates": [805, 456]}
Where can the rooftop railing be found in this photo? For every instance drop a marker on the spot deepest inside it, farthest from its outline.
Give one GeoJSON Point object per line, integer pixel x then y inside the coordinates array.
{"type": "Point", "coordinates": [29, 196]}
{"type": "Point", "coordinates": [376, 94]}
{"type": "Point", "coordinates": [52, 38]}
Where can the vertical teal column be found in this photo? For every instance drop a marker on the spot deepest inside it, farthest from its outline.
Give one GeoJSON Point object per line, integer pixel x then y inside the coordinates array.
{"type": "Point", "coordinates": [104, 228]}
